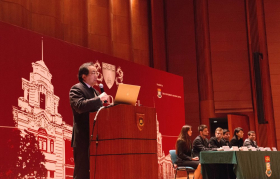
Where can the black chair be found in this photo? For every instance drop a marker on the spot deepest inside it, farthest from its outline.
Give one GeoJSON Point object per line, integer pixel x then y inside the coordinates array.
{"type": "Point", "coordinates": [176, 168]}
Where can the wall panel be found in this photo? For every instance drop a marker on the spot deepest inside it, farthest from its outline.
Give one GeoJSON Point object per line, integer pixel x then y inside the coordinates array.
{"type": "Point", "coordinates": [140, 32]}
{"type": "Point", "coordinates": [229, 56]}
{"type": "Point", "coordinates": [99, 26]}
{"type": "Point", "coordinates": [115, 27]}
{"type": "Point", "coordinates": [158, 34]}
{"type": "Point", "coordinates": [272, 21]}
{"type": "Point", "coordinates": [75, 22]}
{"type": "Point", "coordinates": [181, 53]}
{"type": "Point", "coordinates": [121, 29]}
{"type": "Point", "coordinates": [15, 12]}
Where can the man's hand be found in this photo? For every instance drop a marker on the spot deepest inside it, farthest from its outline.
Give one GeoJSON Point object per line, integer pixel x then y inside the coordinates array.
{"type": "Point", "coordinates": [103, 97]}
{"type": "Point", "coordinates": [195, 158]}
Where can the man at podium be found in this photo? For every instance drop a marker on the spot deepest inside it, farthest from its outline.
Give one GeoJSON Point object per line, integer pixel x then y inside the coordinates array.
{"type": "Point", "coordinates": [83, 100]}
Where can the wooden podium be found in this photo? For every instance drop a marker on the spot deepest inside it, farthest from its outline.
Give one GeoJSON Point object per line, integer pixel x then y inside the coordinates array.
{"type": "Point", "coordinates": [127, 143]}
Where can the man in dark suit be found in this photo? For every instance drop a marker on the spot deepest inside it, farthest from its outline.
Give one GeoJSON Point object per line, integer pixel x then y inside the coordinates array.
{"type": "Point", "coordinates": [226, 137]}
{"type": "Point", "coordinates": [200, 143]}
{"type": "Point", "coordinates": [83, 100]}
{"type": "Point", "coordinates": [217, 142]}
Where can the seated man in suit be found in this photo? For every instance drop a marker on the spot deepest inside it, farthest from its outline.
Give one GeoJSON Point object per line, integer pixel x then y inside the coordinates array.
{"type": "Point", "coordinates": [251, 140]}
{"type": "Point", "coordinates": [226, 137]}
{"type": "Point", "coordinates": [200, 143]}
{"type": "Point", "coordinates": [217, 142]}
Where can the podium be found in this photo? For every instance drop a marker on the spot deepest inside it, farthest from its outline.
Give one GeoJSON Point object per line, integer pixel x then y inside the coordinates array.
{"type": "Point", "coordinates": [124, 143]}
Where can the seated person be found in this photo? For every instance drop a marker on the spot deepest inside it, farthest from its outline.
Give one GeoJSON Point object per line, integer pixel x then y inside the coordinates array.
{"type": "Point", "coordinates": [200, 143]}
{"type": "Point", "coordinates": [217, 142]}
{"type": "Point", "coordinates": [251, 141]}
{"type": "Point", "coordinates": [184, 151]}
{"type": "Point", "coordinates": [237, 139]}
{"type": "Point", "coordinates": [226, 137]}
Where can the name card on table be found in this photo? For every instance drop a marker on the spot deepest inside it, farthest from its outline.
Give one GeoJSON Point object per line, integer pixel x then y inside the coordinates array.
{"type": "Point", "coordinates": [253, 149]}
{"type": "Point", "coordinates": [226, 148]}
{"type": "Point", "coordinates": [274, 149]}
{"type": "Point", "coordinates": [234, 148]}
{"type": "Point", "coordinates": [267, 149]}
{"type": "Point", "coordinates": [244, 149]}
{"type": "Point", "coordinates": [261, 149]}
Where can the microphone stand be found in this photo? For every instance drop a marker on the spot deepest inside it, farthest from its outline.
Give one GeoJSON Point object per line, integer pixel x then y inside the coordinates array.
{"type": "Point", "coordinates": [91, 137]}
{"type": "Point", "coordinates": [94, 121]}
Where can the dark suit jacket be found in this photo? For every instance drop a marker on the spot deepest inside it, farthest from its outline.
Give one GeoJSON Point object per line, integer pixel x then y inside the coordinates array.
{"type": "Point", "coordinates": [184, 152]}
{"type": "Point", "coordinates": [235, 142]}
{"type": "Point", "coordinates": [226, 142]}
{"type": "Point", "coordinates": [200, 145]}
{"type": "Point", "coordinates": [213, 143]}
{"type": "Point", "coordinates": [83, 100]}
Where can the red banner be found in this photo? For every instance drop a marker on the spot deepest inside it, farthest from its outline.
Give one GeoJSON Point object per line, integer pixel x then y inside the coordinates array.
{"type": "Point", "coordinates": [36, 76]}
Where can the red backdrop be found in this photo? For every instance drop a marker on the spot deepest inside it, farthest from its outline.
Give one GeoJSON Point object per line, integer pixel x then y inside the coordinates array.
{"type": "Point", "coordinates": [19, 48]}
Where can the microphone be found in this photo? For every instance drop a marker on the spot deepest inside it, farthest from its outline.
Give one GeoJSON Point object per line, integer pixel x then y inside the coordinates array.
{"type": "Point", "coordinates": [102, 90]}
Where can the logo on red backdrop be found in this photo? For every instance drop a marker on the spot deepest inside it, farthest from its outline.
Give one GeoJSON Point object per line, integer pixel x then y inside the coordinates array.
{"type": "Point", "coordinates": [109, 73]}
{"type": "Point", "coordinates": [159, 95]}
{"type": "Point", "coordinates": [268, 171]}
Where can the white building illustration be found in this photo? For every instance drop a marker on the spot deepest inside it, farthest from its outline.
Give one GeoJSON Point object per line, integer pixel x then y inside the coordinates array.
{"type": "Point", "coordinates": [37, 112]}
{"type": "Point", "coordinates": [165, 168]}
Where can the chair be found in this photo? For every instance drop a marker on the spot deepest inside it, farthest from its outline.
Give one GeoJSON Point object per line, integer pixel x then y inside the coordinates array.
{"type": "Point", "coordinates": [175, 167]}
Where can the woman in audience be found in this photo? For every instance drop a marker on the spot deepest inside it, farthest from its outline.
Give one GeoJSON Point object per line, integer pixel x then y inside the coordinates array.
{"type": "Point", "coordinates": [237, 139]}
{"type": "Point", "coordinates": [184, 151]}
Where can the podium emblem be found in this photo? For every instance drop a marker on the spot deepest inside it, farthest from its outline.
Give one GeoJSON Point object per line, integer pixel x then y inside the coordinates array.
{"type": "Point", "coordinates": [109, 74]}
{"type": "Point", "coordinates": [140, 120]}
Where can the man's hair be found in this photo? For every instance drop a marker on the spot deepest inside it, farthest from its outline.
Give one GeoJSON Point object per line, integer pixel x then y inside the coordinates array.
{"type": "Point", "coordinates": [236, 130]}
{"type": "Point", "coordinates": [201, 127]}
{"type": "Point", "coordinates": [225, 131]}
{"type": "Point", "coordinates": [218, 129]}
{"type": "Point", "coordinates": [83, 70]}
{"type": "Point", "coordinates": [251, 132]}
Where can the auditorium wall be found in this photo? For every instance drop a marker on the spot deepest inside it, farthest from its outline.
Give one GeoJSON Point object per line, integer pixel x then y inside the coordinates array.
{"type": "Point", "coordinates": [271, 44]}
{"type": "Point", "coordinates": [209, 43]}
